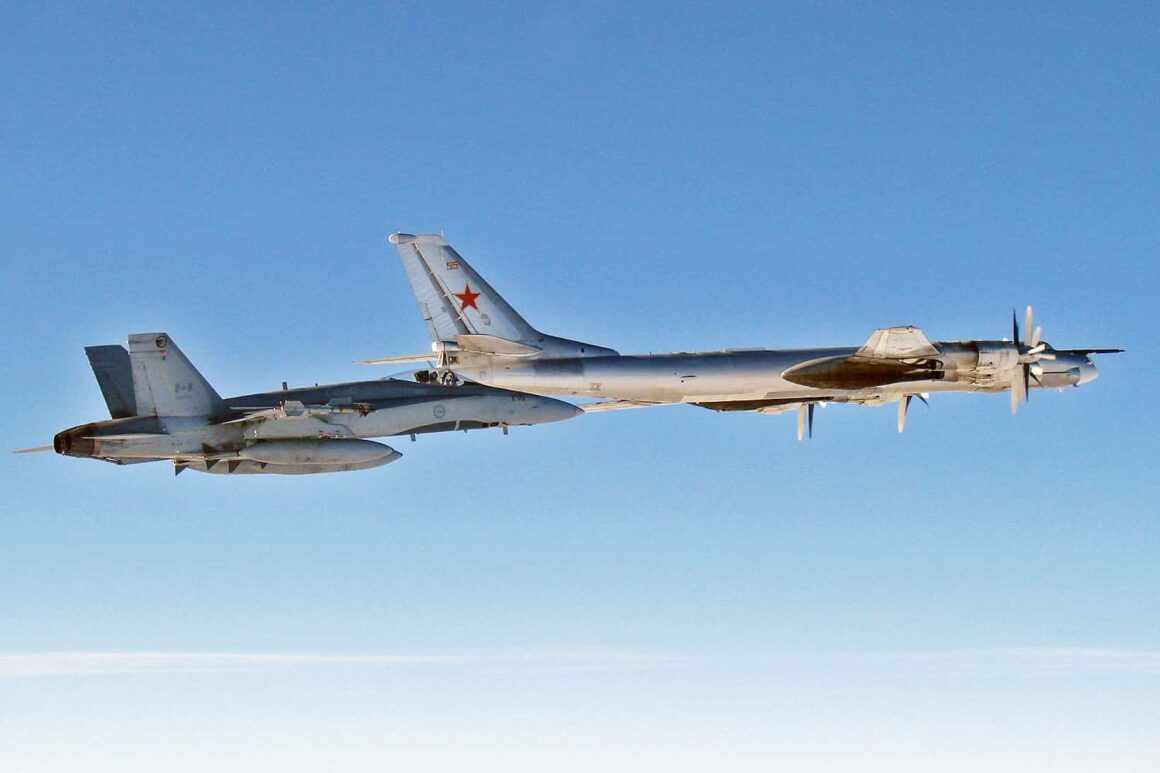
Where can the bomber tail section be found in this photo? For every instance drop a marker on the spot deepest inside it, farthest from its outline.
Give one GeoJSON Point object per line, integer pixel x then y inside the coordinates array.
{"type": "Point", "coordinates": [164, 381]}
{"type": "Point", "coordinates": [463, 313]}
{"type": "Point", "coordinates": [453, 299]}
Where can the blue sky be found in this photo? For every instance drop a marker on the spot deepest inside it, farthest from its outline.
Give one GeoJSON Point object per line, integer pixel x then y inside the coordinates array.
{"type": "Point", "coordinates": [641, 587]}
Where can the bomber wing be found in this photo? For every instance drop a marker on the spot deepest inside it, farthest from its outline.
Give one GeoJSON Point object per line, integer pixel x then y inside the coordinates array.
{"type": "Point", "coordinates": [890, 355]}
{"type": "Point", "coordinates": [892, 343]}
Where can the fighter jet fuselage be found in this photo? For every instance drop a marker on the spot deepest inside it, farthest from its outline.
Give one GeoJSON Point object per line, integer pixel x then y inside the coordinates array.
{"type": "Point", "coordinates": [164, 409]}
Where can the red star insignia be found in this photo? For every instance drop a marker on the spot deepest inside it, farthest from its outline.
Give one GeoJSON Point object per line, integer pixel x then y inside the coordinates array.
{"type": "Point", "coordinates": [466, 298]}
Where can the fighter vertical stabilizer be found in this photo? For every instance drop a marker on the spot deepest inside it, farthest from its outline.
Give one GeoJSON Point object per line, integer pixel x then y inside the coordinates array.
{"type": "Point", "coordinates": [114, 374]}
{"type": "Point", "coordinates": [165, 382]}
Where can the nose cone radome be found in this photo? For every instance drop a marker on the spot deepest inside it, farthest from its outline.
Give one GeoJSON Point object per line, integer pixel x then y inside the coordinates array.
{"type": "Point", "coordinates": [1088, 371]}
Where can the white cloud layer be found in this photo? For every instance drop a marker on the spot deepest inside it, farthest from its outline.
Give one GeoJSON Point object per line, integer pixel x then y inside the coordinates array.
{"type": "Point", "coordinates": [16, 665]}
{"type": "Point", "coordinates": [1061, 658]}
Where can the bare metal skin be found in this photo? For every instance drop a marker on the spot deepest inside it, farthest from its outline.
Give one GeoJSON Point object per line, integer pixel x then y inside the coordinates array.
{"type": "Point", "coordinates": [478, 337]}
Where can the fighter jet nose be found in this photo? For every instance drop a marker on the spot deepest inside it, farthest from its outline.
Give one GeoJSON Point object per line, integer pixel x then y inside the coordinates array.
{"type": "Point", "coordinates": [1088, 371]}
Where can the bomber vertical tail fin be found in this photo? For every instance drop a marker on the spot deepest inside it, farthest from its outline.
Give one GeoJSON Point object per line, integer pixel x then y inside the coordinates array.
{"type": "Point", "coordinates": [165, 382]}
{"type": "Point", "coordinates": [460, 307]}
{"type": "Point", "coordinates": [453, 299]}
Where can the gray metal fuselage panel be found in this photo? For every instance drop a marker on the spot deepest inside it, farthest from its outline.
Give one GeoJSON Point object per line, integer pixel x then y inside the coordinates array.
{"type": "Point", "coordinates": [747, 375]}
{"type": "Point", "coordinates": [391, 408]}
{"type": "Point", "coordinates": [682, 377]}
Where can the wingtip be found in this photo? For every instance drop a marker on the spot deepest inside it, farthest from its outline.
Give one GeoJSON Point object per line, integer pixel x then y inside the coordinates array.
{"type": "Point", "coordinates": [398, 237]}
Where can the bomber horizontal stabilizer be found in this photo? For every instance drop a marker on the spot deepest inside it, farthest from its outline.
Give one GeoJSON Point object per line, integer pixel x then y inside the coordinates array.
{"type": "Point", "coordinates": [485, 344]}
{"type": "Point", "coordinates": [399, 358]}
{"type": "Point", "coordinates": [617, 405]}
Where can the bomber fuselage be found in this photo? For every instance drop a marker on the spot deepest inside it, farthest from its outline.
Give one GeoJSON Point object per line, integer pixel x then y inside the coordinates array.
{"type": "Point", "coordinates": [749, 377]}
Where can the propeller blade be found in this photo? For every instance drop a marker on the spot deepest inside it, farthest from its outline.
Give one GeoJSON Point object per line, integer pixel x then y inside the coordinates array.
{"type": "Point", "coordinates": [903, 405]}
{"type": "Point", "coordinates": [1038, 335]}
{"type": "Point", "coordinates": [1038, 348]}
{"type": "Point", "coordinates": [923, 396]}
{"type": "Point", "coordinates": [36, 450]}
{"type": "Point", "coordinates": [1014, 327]}
{"type": "Point", "coordinates": [1026, 382]}
{"type": "Point", "coordinates": [810, 421]}
{"type": "Point", "coordinates": [801, 421]}
{"type": "Point", "coordinates": [1027, 326]}
{"type": "Point", "coordinates": [1018, 392]}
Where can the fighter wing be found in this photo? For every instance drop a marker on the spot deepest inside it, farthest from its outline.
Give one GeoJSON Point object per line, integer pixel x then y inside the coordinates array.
{"type": "Point", "coordinates": [294, 418]}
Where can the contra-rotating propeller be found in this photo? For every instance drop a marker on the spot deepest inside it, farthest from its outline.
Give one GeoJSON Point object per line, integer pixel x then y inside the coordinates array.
{"type": "Point", "coordinates": [1031, 350]}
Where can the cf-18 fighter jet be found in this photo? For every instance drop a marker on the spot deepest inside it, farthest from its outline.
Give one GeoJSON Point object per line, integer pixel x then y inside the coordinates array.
{"type": "Point", "coordinates": [478, 337]}
{"type": "Point", "coordinates": [162, 408]}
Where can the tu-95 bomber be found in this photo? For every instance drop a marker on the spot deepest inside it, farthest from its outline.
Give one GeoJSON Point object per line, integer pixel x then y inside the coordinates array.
{"type": "Point", "coordinates": [478, 337]}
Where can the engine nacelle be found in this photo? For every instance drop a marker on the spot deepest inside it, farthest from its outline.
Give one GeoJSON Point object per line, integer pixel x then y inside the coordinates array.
{"type": "Point", "coordinates": [995, 363]}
